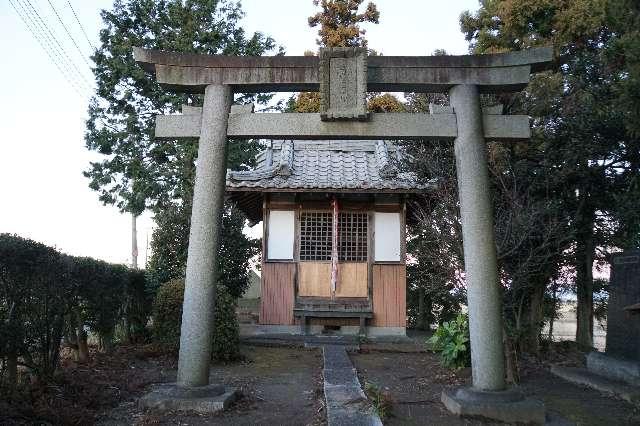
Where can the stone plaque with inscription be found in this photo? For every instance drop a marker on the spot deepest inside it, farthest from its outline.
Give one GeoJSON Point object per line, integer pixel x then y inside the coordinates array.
{"type": "Point", "coordinates": [343, 83]}
{"type": "Point", "coordinates": [623, 315]}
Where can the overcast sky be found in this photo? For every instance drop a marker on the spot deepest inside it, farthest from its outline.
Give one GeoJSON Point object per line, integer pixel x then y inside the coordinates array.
{"type": "Point", "coordinates": [43, 195]}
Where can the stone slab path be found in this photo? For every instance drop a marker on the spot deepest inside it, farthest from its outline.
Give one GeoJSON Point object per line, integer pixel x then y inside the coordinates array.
{"type": "Point", "coordinates": [346, 402]}
{"type": "Point", "coordinates": [582, 376]}
{"type": "Point", "coordinates": [307, 341]}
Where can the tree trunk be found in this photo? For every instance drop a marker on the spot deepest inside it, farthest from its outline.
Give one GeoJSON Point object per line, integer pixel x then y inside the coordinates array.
{"type": "Point", "coordinates": [83, 347]}
{"type": "Point", "coordinates": [584, 326]}
{"type": "Point", "coordinates": [55, 339]}
{"type": "Point", "coordinates": [11, 346]}
{"type": "Point", "coordinates": [126, 311]}
{"type": "Point", "coordinates": [126, 327]}
{"type": "Point", "coordinates": [422, 322]}
{"type": "Point", "coordinates": [534, 326]}
{"type": "Point", "coordinates": [106, 343]}
{"type": "Point", "coordinates": [12, 370]}
{"type": "Point", "coordinates": [554, 309]}
{"type": "Point", "coordinates": [511, 363]}
{"type": "Point", "coordinates": [585, 252]}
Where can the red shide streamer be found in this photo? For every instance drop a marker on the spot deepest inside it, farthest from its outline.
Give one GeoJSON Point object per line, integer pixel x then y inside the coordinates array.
{"type": "Point", "coordinates": [334, 247]}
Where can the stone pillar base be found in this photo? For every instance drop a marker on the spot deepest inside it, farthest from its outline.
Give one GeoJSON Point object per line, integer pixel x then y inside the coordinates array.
{"type": "Point", "coordinates": [203, 399]}
{"type": "Point", "coordinates": [509, 406]}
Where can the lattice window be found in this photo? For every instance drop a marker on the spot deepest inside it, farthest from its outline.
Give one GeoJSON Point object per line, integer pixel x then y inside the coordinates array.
{"type": "Point", "coordinates": [352, 236]}
{"type": "Point", "coordinates": [316, 233]}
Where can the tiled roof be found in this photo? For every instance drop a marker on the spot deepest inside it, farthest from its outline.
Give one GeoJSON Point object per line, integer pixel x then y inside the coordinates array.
{"type": "Point", "coordinates": [322, 165]}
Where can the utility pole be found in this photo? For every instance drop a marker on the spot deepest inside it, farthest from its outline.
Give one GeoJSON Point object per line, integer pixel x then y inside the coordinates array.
{"type": "Point", "coordinates": [134, 242]}
{"type": "Point", "coordinates": [146, 251]}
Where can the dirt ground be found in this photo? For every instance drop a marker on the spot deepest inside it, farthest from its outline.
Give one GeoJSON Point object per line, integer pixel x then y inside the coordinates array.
{"type": "Point", "coordinates": [79, 392]}
{"type": "Point", "coordinates": [414, 381]}
{"type": "Point", "coordinates": [279, 386]}
{"type": "Point", "coordinates": [283, 386]}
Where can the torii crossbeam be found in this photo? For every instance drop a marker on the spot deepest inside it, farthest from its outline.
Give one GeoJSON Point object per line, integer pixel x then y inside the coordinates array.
{"type": "Point", "coordinates": [438, 125]}
{"type": "Point", "coordinates": [343, 76]}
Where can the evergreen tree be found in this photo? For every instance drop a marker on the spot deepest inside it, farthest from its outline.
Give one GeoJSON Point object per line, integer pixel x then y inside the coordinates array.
{"type": "Point", "coordinates": [579, 163]}
{"type": "Point", "coordinates": [137, 171]}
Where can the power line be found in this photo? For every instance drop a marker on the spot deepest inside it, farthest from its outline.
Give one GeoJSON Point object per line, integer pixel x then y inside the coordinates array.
{"type": "Point", "coordinates": [81, 27]}
{"type": "Point", "coordinates": [50, 47]}
{"type": "Point", "coordinates": [55, 43]}
{"type": "Point", "coordinates": [31, 29]}
{"type": "Point", "coordinates": [59, 45]}
{"type": "Point", "coordinates": [41, 41]}
{"type": "Point", "coordinates": [73, 40]}
{"type": "Point", "coordinates": [37, 34]}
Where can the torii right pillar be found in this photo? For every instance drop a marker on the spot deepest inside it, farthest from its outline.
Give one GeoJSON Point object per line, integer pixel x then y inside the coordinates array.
{"type": "Point", "coordinates": [488, 397]}
{"type": "Point", "coordinates": [480, 263]}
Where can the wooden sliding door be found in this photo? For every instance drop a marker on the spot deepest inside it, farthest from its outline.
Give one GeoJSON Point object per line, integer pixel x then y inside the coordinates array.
{"type": "Point", "coordinates": [316, 245]}
{"type": "Point", "coordinates": [314, 279]}
{"type": "Point", "coordinates": [314, 268]}
{"type": "Point", "coordinates": [353, 280]}
{"type": "Point", "coordinates": [353, 250]}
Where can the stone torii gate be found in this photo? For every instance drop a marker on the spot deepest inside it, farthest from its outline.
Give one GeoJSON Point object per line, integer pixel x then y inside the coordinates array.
{"type": "Point", "coordinates": [343, 76]}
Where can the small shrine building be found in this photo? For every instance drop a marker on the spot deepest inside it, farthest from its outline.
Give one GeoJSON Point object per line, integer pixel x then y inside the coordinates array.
{"type": "Point", "coordinates": [334, 215]}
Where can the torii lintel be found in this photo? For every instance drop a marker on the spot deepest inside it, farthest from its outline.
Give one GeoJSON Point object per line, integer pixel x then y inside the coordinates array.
{"type": "Point", "coordinates": [491, 73]}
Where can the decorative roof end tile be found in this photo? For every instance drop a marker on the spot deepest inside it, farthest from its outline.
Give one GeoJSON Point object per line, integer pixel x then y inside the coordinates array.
{"type": "Point", "coordinates": [385, 165]}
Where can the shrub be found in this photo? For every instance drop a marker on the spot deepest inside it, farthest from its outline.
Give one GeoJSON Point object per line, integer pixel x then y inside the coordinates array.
{"type": "Point", "coordinates": [226, 337]}
{"type": "Point", "coordinates": [167, 319]}
{"type": "Point", "coordinates": [34, 295]}
{"type": "Point", "coordinates": [167, 314]}
{"type": "Point", "coordinates": [170, 242]}
{"type": "Point", "coordinates": [136, 307]}
{"type": "Point", "coordinates": [451, 339]}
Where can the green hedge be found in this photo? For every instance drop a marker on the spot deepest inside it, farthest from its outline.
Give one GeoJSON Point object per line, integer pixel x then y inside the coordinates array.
{"type": "Point", "coordinates": [46, 295]}
{"type": "Point", "coordinates": [47, 298]}
{"type": "Point", "coordinates": [34, 294]}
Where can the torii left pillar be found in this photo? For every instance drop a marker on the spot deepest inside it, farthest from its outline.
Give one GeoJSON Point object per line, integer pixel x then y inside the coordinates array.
{"type": "Point", "coordinates": [192, 390]}
{"type": "Point", "coordinates": [196, 335]}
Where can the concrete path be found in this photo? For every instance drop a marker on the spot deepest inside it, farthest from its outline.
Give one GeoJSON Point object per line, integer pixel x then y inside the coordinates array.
{"type": "Point", "coordinates": [346, 402]}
